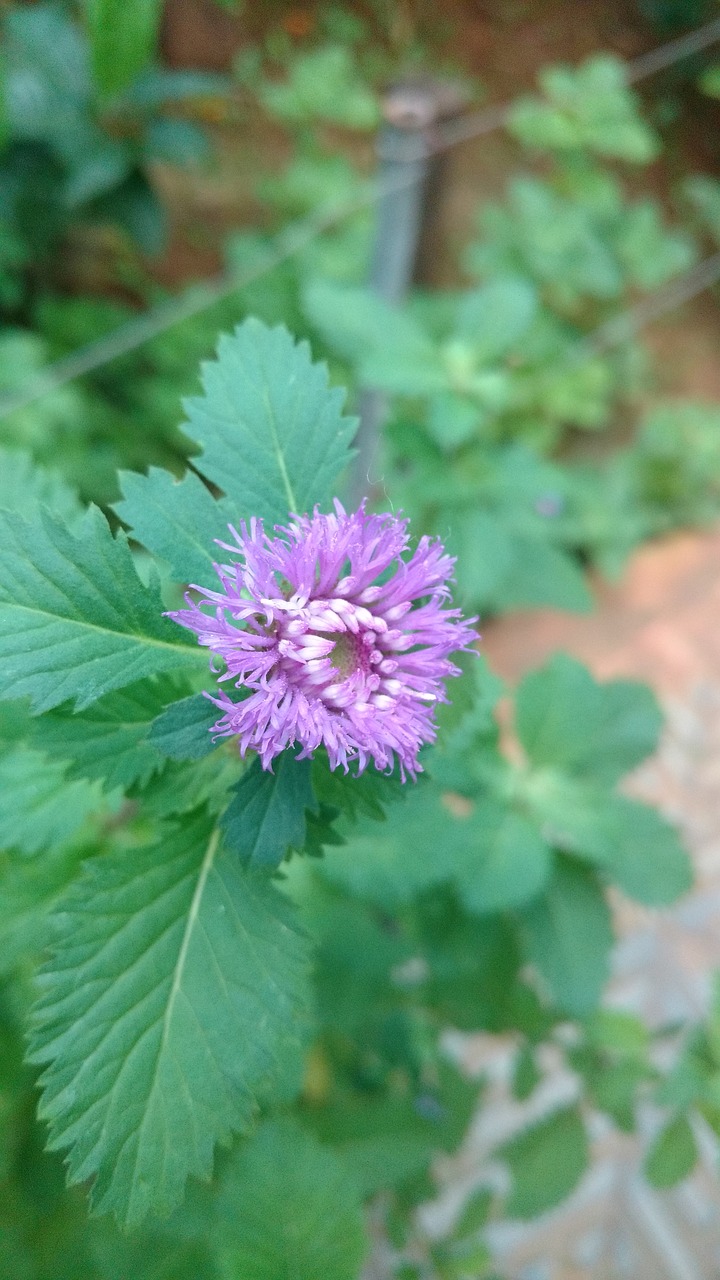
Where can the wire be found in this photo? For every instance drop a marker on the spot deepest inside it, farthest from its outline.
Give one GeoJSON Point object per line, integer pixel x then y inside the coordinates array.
{"type": "Point", "coordinates": [476, 123]}
{"type": "Point", "coordinates": [648, 64]}
{"type": "Point", "coordinates": [198, 298]}
{"type": "Point", "coordinates": [652, 307]}
{"type": "Point", "coordinates": [194, 300]}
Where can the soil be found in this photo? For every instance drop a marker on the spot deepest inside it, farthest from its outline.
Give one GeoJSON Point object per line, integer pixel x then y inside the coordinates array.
{"type": "Point", "coordinates": [501, 45]}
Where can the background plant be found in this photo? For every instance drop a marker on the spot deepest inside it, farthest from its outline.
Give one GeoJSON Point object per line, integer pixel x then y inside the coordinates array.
{"type": "Point", "coordinates": [77, 152]}
{"type": "Point", "coordinates": [245, 979]}
{"type": "Point", "coordinates": [241, 952]}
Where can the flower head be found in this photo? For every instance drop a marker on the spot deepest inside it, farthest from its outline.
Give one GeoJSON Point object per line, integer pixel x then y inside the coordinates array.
{"type": "Point", "coordinates": [336, 639]}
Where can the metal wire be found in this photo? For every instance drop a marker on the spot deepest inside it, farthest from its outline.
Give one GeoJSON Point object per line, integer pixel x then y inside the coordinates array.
{"type": "Point", "coordinates": [648, 64]}
{"type": "Point", "coordinates": [294, 237]}
{"type": "Point", "coordinates": [621, 327]}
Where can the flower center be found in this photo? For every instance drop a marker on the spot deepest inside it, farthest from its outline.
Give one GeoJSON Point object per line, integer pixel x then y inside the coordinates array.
{"type": "Point", "coordinates": [345, 657]}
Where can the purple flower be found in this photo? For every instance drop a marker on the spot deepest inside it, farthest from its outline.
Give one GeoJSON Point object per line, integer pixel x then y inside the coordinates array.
{"type": "Point", "coordinates": [340, 641]}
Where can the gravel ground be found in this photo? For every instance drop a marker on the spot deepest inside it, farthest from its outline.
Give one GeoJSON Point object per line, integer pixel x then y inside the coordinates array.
{"type": "Point", "coordinates": [660, 625]}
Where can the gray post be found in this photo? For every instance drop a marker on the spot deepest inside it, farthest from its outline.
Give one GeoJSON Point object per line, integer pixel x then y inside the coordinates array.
{"type": "Point", "coordinates": [409, 179]}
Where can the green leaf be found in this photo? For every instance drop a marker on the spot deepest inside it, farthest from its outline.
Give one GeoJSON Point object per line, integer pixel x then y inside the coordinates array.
{"type": "Point", "coordinates": [184, 784]}
{"type": "Point", "coordinates": [614, 1031]}
{"type": "Point", "coordinates": [179, 521]}
{"type": "Point", "coordinates": [39, 808]}
{"type": "Point", "coordinates": [568, 936]}
{"type": "Point", "coordinates": [647, 861]}
{"type": "Point", "coordinates": [123, 34]}
{"type": "Point", "coordinates": [323, 84]}
{"type": "Point", "coordinates": [616, 1087]}
{"type": "Point", "coordinates": [108, 741]}
{"type": "Point", "coordinates": [76, 622]}
{"type": "Point", "coordinates": [136, 207]}
{"type": "Point", "coordinates": [472, 966]}
{"type": "Point", "coordinates": [182, 732]}
{"type": "Point", "coordinates": [271, 429]}
{"type": "Point", "coordinates": [576, 817]}
{"type": "Point", "coordinates": [452, 420]}
{"type": "Point", "coordinates": [546, 1163]}
{"type": "Point", "coordinates": [180, 142]}
{"type": "Point", "coordinates": [412, 850]}
{"type": "Point", "coordinates": [595, 731]}
{"type": "Point", "coordinates": [369, 793]}
{"type": "Point", "coordinates": [173, 1006]}
{"type": "Point", "coordinates": [475, 1214]}
{"type": "Point", "coordinates": [485, 553]}
{"type": "Point", "coordinates": [97, 171]}
{"type": "Point", "coordinates": [526, 1074]}
{"type": "Point", "coordinates": [48, 80]}
{"type": "Point", "coordinates": [673, 1154]}
{"type": "Point", "coordinates": [462, 1259]}
{"type": "Point", "coordinates": [505, 863]}
{"type": "Point", "coordinates": [541, 575]}
{"type": "Point", "coordinates": [710, 81]}
{"type": "Point", "coordinates": [26, 487]}
{"type": "Point", "coordinates": [149, 1255]}
{"type": "Point", "coordinates": [266, 815]}
{"type": "Point", "coordinates": [30, 889]}
{"type": "Point", "coordinates": [590, 108]}
{"type": "Point", "coordinates": [386, 1137]}
{"type": "Point", "coordinates": [288, 1207]}
{"type": "Point", "coordinates": [494, 317]}
{"type": "Point", "coordinates": [635, 847]}
{"type": "Point", "coordinates": [356, 321]}
{"type": "Point", "coordinates": [157, 88]}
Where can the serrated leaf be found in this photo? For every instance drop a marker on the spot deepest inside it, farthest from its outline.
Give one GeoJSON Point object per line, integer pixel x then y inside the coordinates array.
{"type": "Point", "coordinates": [633, 845]}
{"type": "Point", "coordinates": [182, 732]}
{"type": "Point", "coordinates": [673, 1154]}
{"type": "Point", "coordinates": [26, 487]}
{"type": "Point", "coordinates": [386, 1137]}
{"type": "Point", "coordinates": [177, 520]}
{"type": "Point", "coordinates": [109, 740]}
{"type": "Point", "coordinates": [541, 575]}
{"type": "Point", "coordinates": [648, 861]}
{"type": "Point", "coordinates": [546, 1163]}
{"type": "Point", "coordinates": [173, 1005]}
{"type": "Point", "coordinates": [39, 808]}
{"type": "Point", "coordinates": [272, 433]}
{"type": "Point", "coordinates": [568, 936]}
{"type": "Point", "coordinates": [368, 794]}
{"type": "Point", "coordinates": [485, 553]}
{"type": "Point", "coordinates": [472, 967]}
{"type": "Point", "coordinates": [266, 815]}
{"type": "Point", "coordinates": [156, 1255]}
{"type": "Point", "coordinates": [75, 620]}
{"type": "Point", "coordinates": [505, 862]}
{"type": "Point", "coordinates": [494, 317]}
{"type": "Point", "coordinates": [573, 816]}
{"type": "Point", "coordinates": [30, 888]}
{"type": "Point", "coordinates": [183, 785]}
{"type": "Point", "coordinates": [389, 863]}
{"type": "Point", "coordinates": [289, 1207]}
{"type": "Point", "coordinates": [596, 731]}
{"type": "Point", "coordinates": [356, 321]}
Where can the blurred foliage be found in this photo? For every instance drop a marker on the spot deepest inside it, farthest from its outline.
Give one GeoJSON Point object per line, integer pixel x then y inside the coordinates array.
{"type": "Point", "coordinates": [73, 157]}
{"type": "Point", "coordinates": [493, 390]}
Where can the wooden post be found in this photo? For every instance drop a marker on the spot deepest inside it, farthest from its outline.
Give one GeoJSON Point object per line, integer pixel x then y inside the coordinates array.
{"type": "Point", "coordinates": [410, 179]}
